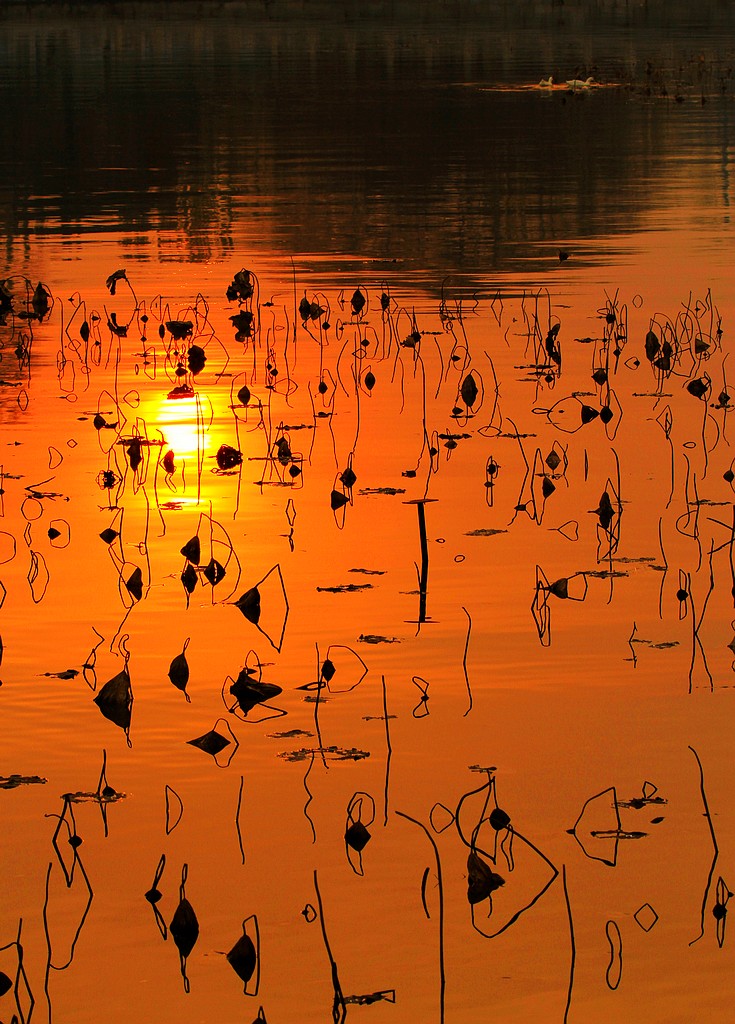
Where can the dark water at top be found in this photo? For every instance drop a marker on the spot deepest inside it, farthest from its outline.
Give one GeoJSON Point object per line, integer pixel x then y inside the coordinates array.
{"type": "Point", "coordinates": [379, 138]}
{"type": "Point", "coordinates": [366, 513]}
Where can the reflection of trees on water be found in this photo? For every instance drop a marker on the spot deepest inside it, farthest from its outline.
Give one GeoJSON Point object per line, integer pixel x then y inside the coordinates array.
{"type": "Point", "coordinates": [338, 138]}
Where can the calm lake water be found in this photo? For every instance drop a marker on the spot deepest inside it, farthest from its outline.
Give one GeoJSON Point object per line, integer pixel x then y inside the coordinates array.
{"type": "Point", "coordinates": [367, 515]}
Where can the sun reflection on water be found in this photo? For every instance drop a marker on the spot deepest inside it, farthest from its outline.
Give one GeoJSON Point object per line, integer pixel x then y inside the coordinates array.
{"type": "Point", "coordinates": [181, 422]}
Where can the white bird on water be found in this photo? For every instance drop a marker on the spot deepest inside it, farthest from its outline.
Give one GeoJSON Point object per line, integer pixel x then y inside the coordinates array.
{"type": "Point", "coordinates": [580, 83]}
{"type": "Point", "coordinates": [547, 81]}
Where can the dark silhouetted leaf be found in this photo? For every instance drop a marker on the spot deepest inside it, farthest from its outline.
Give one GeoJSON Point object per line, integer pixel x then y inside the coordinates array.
{"type": "Point", "coordinates": [190, 579]}
{"type": "Point", "coordinates": [243, 324]}
{"type": "Point", "coordinates": [337, 500]}
{"type": "Point", "coordinates": [328, 670]}
{"type": "Point", "coordinates": [250, 692]}
{"type": "Point", "coordinates": [184, 928]}
{"type": "Point", "coordinates": [196, 357]}
{"type": "Point", "coordinates": [213, 572]}
{"type": "Point", "coordinates": [109, 535]}
{"type": "Point", "coordinates": [698, 387]}
{"type": "Point", "coordinates": [547, 487]}
{"type": "Point", "coordinates": [210, 742]}
{"type": "Point", "coordinates": [605, 511]}
{"type": "Point", "coordinates": [120, 330]}
{"type": "Point", "coordinates": [135, 453]}
{"type": "Point", "coordinates": [481, 881]}
{"type": "Point", "coordinates": [283, 453]}
{"type": "Point", "coordinates": [243, 958]}
{"type": "Point", "coordinates": [357, 836]}
{"type": "Point", "coordinates": [179, 329]}
{"type": "Point", "coordinates": [249, 605]}
{"type": "Point", "coordinates": [499, 819]}
{"type": "Point", "coordinates": [652, 346]}
{"type": "Point", "coordinates": [242, 286]}
{"type": "Point", "coordinates": [560, 588]}
{"type": "Point", "coordinates": [134, 584]}
{"type": "Point", "coordinates": [192, 550]}
{"type": "Point", "coordinates": [178, 671]}
{"type": "Point", "coordinates": [469, 391]}
{"type": "Point", "coordinates": [40, 300]}
{"type": "Point", "coordinates": [243, 395]}
{"type": "Point", "coordinates": [115, 700]}
{"type": "Point", "coordinates": [357, 301]}
{"type": "Point", "coordinates": [111, 282]}
{"type": "Point", "coordinates": [5, 983]}
{"type": "Point", "coordinates": [348, 478]}
{"type": "Point", "coordinates": [587, 414]}
{"type": "Point", "coordinates": [228, 457]}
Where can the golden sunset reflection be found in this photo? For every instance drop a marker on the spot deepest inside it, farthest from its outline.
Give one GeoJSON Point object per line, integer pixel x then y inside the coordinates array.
{"type": "Point", "coordinates": [183, 427]}
{"type": "Point", "coordinates": [367, 499]}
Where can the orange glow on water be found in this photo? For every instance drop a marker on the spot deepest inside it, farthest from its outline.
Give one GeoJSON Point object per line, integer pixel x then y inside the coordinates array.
{"type": "Point", "coordinates": [180, 422]}
{"type": "Point", "coordinates": [413, 585]}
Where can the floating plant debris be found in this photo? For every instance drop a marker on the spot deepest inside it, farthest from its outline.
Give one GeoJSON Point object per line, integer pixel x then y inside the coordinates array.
{"type": "Point", "coordinates": [345, 588]}
{"type": "Point", "coordinates": [331, 752]}
{"type": "Point", "coordinates": [13, 781]}
{"type": "Point", "coordinates": [387, 995]}
{"type": "Point", "coordinates": [382, 490]}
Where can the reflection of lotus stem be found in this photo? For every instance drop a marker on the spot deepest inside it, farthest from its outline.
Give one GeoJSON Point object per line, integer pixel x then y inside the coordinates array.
{"type": "Point", "coordinates": [424, 581]}
{"type": "Point", "coordinates": [442, 974]}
